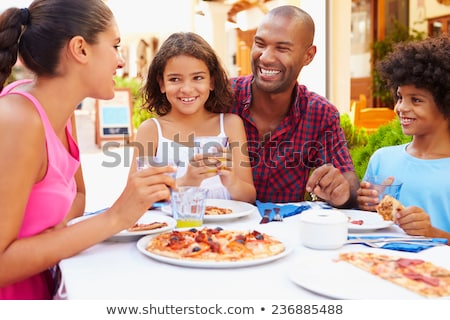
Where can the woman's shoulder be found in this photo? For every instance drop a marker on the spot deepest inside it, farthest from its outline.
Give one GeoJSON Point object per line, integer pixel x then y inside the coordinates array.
{"type": "Point", "coordinates": [18, 110]}
{"type": "Point", "coordinates": [17, 113]}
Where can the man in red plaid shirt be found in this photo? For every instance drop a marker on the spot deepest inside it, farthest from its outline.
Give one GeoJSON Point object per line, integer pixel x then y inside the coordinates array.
{"type": "Point", "coordinates": [295, 141]}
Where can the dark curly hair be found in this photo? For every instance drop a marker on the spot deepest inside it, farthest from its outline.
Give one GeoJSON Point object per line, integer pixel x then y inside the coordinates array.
{"type": "Point", "coordinates": [424, 64]}
{"type": "Point", "coordinates": [39, 32]}
{"type": "Point", "coordinates": [190, 44]}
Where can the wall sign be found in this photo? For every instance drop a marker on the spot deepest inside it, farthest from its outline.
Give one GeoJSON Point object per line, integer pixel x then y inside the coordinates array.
{"type": "Point", "coordinates": [113, 117]}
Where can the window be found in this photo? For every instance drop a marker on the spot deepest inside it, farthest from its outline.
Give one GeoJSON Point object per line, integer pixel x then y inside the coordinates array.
{"type": "Point", "coordinates": [438, 26]}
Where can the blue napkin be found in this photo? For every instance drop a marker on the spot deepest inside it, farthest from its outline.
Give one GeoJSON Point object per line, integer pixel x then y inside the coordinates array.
{"type": "Point", "coordinates": [285, 210]}
{"type": "Point", "coordinates": [408, 247]}
{"type": "Point", "coordinates": [95, 212]}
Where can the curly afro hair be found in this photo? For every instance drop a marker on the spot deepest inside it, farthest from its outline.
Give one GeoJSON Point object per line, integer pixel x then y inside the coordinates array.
{"type": "Point", "coordinates": [424, 64]}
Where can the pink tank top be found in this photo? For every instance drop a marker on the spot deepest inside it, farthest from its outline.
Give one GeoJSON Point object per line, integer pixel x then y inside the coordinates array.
{"type": "Point", "coordinates": [49, 201]}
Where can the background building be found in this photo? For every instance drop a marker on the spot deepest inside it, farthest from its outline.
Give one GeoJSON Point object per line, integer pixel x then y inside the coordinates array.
{"type": "Point", "coordinates": [345, 31]}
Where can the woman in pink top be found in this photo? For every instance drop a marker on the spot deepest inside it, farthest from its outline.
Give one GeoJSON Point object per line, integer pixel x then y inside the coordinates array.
{"type": "Point", "coordinates": [72, 48]}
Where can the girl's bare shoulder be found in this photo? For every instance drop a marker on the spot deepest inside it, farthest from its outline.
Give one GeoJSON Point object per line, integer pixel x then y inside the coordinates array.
{"type": "Point", "coordinates": [146, 129]}
{"type": "Point", "coordinates": [231, 118]}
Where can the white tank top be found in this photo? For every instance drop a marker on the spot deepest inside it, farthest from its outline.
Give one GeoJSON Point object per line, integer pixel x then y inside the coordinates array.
{"type": "Point", "coordinates": [181, 153]}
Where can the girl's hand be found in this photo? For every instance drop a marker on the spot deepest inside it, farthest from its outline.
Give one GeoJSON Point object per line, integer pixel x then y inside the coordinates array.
{"type": "Point", "coordinates": [199, 168]}
{"type": "Point", "coordinates": [225, 169]}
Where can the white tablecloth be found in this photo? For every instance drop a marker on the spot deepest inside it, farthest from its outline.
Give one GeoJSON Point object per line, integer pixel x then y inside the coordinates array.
{"type": "Point", "coordinates": [117, 270]}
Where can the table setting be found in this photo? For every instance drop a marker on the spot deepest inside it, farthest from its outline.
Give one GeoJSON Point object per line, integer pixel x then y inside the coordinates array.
{"type": "Point", "coordinates": [270, 210]}
{"type": "Point", "coordinates": [239, 209]}
{"type": "Point", "coordinates": [134, 235]}
{"type": "Point", "coordinates": [125, 270]}
{"type": "Point", "coordinates": [337, 280]}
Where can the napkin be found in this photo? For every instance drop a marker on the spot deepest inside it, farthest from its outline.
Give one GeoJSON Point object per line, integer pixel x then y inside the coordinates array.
{"type": "Point", "coordinates": [287, 210]}
{"type": "Point", "coordinates": [95, 212]}
{"type": "Point", "coordinates": [408, 247]}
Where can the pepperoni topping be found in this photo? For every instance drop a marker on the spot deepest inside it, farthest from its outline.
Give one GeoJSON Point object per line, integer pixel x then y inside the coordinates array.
{"type": "Point", "coordinates": [419, 277]}
{"type": "Point", "coordinates": [258, 235]}
{"type": "Point", "coordinates": [404, 262]}
{"type": "Point", "coordinates": [214, 246]}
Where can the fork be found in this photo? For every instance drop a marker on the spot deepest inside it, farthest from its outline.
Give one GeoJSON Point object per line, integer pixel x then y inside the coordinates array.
{"type": "Point", "coordinates": [277, 216]}
{"type": "Point", "coordinates": [381, 242]}
{"type": "Point", "coordinates": [313, 196]}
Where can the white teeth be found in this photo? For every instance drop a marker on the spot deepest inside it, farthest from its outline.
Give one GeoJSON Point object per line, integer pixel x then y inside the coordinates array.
{"type": "Point", "coordinates": [269, 72]}
{"type": "Point", "coordinates": [187, 99]}
{"type": "Point", "coordinates": [406, 120]}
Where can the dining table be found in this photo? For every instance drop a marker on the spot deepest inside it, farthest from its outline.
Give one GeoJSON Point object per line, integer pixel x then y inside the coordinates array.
{"type": "Point", "coordinates": [116, 269]}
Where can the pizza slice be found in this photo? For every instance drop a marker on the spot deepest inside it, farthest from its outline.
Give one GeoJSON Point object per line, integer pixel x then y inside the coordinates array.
{"type": "Point", "coordinates": [146, 226]}
{"type": "Point", "coordinates": [388, 207]}
{"type": "Point", "coordinates": [419, 276]}
{"type": "Point", "coordinates": [214, 211]}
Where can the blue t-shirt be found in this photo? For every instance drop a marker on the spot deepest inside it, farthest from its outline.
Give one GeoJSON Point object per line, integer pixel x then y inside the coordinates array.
{"type": "Point", "coordinates": [426, 183]}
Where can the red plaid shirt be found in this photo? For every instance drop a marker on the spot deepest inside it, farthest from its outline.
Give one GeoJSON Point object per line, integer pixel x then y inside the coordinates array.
{"type": "Point", "coordinates": [308, 137]}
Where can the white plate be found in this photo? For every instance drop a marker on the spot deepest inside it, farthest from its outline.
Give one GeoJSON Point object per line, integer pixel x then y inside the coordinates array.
{"type": "Point", "coordinates": [142, 244]}
{"type": "Point", "coordinates": [148, 217]}
{"type": "Point", "coordinates": [240, 209]}
{"type": "Point", "coordinates": [371, 220]}
{"type": "Point", "coordinates": [341, 280]}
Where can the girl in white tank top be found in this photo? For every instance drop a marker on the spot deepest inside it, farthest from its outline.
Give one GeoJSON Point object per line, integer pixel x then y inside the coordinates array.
{"type": "Point", "coordinates": [182, 153]}
{"type": "Point", "coordinates": [188, 90]}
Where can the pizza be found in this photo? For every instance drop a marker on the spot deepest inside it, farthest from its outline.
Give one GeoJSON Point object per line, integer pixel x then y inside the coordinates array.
{"type": "Point", "coordinates": [146, 226]}
{"type": "Point", "coordinates": [216, 244]}
{"type": "Point", "coordinates": [214, 211]}
{"type": "Point", "coordinates": [388, 207]}
{"type": "Point", "coordinates": [358, 222]}
{"type": "Point", "coordinates": [419, 276]}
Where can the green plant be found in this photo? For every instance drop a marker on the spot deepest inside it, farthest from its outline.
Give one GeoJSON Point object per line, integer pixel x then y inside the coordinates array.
{"type": "Point", "coordinates": [389, 134]}
{"type": "Point", "coordinates": [354, 136]}
{"type": "Point", "coordinates": [381, 48]}
{"type": "Point", "coordinates": [139, 114]}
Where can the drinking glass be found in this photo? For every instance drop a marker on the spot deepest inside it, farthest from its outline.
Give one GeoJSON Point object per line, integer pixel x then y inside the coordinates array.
{"type": "Point", "coordinates": [188, 206]}
{"type": "Point", "coordinates": [385, 186]}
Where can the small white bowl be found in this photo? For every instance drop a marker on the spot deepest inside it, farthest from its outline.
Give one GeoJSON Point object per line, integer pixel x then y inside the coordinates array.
{"type": "Point", "coordinates": [323, 229]}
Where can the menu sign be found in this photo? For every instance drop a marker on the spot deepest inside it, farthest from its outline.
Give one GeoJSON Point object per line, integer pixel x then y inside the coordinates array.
{"type": "Point", "coordinates": [113, 117]}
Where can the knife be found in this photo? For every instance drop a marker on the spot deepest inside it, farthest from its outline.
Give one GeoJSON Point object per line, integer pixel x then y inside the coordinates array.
{"type": "Point", "coordinates": [265, 218]}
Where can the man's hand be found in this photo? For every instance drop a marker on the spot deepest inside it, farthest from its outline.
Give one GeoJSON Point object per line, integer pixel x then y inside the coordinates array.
{"type": "Point", "coordinates": [329, 184]}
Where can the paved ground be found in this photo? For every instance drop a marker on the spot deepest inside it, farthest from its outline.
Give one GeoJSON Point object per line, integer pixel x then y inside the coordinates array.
{"type": "Point", "coordinates": [104, 170]}
{"type": "Point", "coordinates": [86, 131]}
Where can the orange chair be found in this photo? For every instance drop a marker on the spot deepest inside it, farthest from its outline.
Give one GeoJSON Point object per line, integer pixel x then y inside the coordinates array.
{"type": "Point", "coordinates": [369, 118]}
